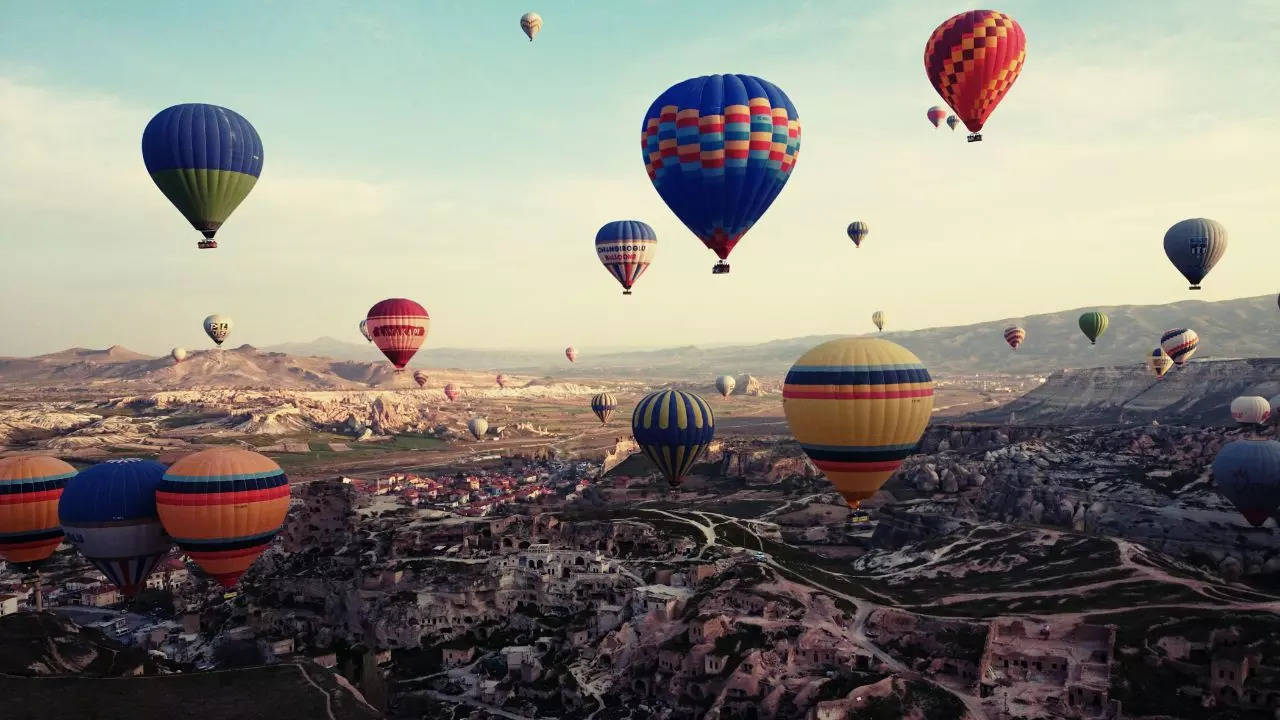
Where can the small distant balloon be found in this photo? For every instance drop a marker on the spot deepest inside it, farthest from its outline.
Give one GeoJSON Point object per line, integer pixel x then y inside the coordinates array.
{"type": "Point", "coordinates": [451, 391]}
{"type": "Point", "coordinates": [603, 406]}
{"type": "Point", "coordinates": [673, 428]}
{"type": "Point", "coordinates": [858, 232]}
{"type": "Point", "coordinates": [1180, 344]}
{"type": "Point", "coordinates": [217, 327]}
{"type": "Point", "coordinates": [178, 354]}
{"type": "Point", "coordinates": [877, 317]}
{"type": "Point", "coordinates": [952, 121]}
{"type": "Point", "coordinates": [935, 115]}
{"type": "Point", "coordinates": [502, 380]}
{"type": "Point", "coordinates": [364, 329]}
{"type": "Point", "coordinates": [1250, 410]}
{"type": "Point", "coordinates": [420, 378]}
{"type": "Point", "coordinates": [1093, 324]}
{"type": "Point", "coordinates": [1014, 335]}
{"type": "Point", "coordinates": [625, 248]}
{"type": "Point", "coordinates": [1194, 246]}
{"type": "Point", "coordinates": [570, 353]}
{"type": "Point", "coordinates": [398, 327]}
{"type": "Point", "coordinates": [531, 23]}
{"type": "Point", "coordinates": [725, 385]}
{"type": "Point", "coordinates": [478, 427]}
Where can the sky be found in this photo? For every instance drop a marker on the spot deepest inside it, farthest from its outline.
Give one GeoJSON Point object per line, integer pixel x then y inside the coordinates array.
{"type": "Point", "coordinates": [428, 150]}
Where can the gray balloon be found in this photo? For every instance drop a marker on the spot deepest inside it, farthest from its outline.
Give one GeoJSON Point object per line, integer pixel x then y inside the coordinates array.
{"type": "Point", "coordinates": [1194, 246]}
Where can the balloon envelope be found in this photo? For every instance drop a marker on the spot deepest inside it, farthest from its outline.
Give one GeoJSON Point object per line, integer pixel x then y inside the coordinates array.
{"type": "Point", "coordinates": [451, 391]}
{"type": "Point", "coordinates": [952, 121]}
{"type": "Point", "coordinates": [108, 512]}
{"type": "Point", "coordinates": [501, 379]}
{"type": "Point", "coordinates": [858, 406]}
{"type": "Point", "coordinates": [935, 115]}
{"type": "Point", "coordinates": [205, 159]}
{"type": "Point", "coordinates": [1250, 410]}
{"type": "Point", "coordinates": [478, 427]}
{"type": "Point", "coordinates": [972, 60]}
{"type": "Point", "coordinates": [217, 327]}
{"type": "Point", "coordinates": [725, 385]}
{"type": "Point", "coordinates": [1014, 335]}
{"type": "Point", "coordinates": [398, 327]}
{"type": "Point", "coordinates": [223, 506]}
{"type": "Point", "coordinates": [364, 329]}
{"type": "Point", "coordinates": [858, 231]}
{"type": "Point", "coordinates": [1194, 246]}
{"type": "Point", "coordinates": [178, 354]}
{"type": "Point", "coordinates": [1247, 472]}
{"type": "Point", "coordinates": [30, 486]}
{"type": "Point", "coordinates": [531, 23]}
{"type": "Point", "coordinates": [603, 405]}
{"type": "Point", "coordinates": [570, 353]}
{"type": "Point", "coordinates": [625, 248]}
{"type": "Point", "coordinates": [420, 378]}
{"type": "Point", "coordinates": [1159, 363]}
{"type": "Point", "coordinates": [877, 317]}
{"type": "Point", "coordinates": [1093, 324]}
{"type": "Point", "coordinates": [719, 149]}
{"type": "Point", "coordinates": [1180, 344]}
{"type": "Point", "coordinates": [673, 428]}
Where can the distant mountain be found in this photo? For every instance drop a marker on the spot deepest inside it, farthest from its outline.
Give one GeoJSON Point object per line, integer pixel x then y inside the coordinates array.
{"type": "Point", "coordinates": [518, 360]}
{"type": "Point", "coordinates": [1199, 393]}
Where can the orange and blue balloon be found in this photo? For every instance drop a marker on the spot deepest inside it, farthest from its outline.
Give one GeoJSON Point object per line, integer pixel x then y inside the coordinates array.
{"type": "Point", "coordinates": [603, 405]}
{"type": "Point", "coordinates": [625, 248]}
{"type": "Point", "coordinates": [673, 428]}
{"type": "Point", "coordinates": [719, 149]}
{"type": "Point", "coordinates": [30, 486]}
{"type": "Point", "coordinates": [108, 512]}
{"type": "Point", "coordinates": [205, 159]}
{"type": "Point", "coordinates": [223, 506]}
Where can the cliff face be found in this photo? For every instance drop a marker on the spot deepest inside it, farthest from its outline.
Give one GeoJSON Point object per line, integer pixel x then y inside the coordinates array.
{"type": "Point", "coordinates": [1199, 393]}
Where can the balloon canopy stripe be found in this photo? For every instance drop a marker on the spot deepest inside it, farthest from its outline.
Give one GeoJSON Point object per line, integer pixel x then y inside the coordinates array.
{"type": "Point", "coordinates": [32, 490]}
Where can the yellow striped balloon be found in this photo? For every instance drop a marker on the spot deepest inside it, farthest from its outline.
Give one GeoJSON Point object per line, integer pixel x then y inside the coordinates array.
{"type": "Point", "coordinates": [858, 406]}
{"type": "Point", "coordinates": [30, 486]}
{"type": "Point", "coordinates": [673, 428]}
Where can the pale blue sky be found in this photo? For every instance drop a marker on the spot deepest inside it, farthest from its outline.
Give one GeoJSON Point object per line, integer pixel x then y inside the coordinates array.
{"type": "Point", "coordinates": [427, 150]}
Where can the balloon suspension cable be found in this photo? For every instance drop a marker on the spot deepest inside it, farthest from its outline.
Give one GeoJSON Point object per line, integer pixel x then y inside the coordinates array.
{"type": "Point", "coordinates": [720, 268]}
{"type": "Point", "coordinates": [975, 137]}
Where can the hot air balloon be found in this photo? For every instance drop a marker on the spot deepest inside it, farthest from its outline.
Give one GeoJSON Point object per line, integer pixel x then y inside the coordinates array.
{"type": "Point", "coordinates": [858, 231]}
{"type": "Point", "coordinates": [1247, 472]}
{"type": "Point", "coordinates": [478, 427]}
{"type": "Point", "coordinates": [1093, 324]}
{"type": "Point", "coordinates": [725, 385]}
{"type": "Point", "coordinates": [30, 486]}
{"type": "Point", "coordinates": [364, 329]}
{"type": "Point", "coordinates": [877, 317]}
{"type": "Point", "coordinates": [1159, 363]}
{"type": "Point", "coordinates": [570, 353]}
{"type": "Point", "coordinates": [531, 23]}
{"type": "Point", "coordinates": [451, 391]}
{"type": "Point", "coordinates": [501, 380]}
{"type": "Point", "coordinates": [420, 378]}
{"type": "Point", "coordinates": [673, 428]}
{"type": "Point", "coordinates": [935, 115]}
{"type": "Point", "coordinates": [858, 406]}
{"type": "Point", "coordinates": [1250, 410]}
{"type": "Point", "coordinates": [223, 506]}
{"type": "Point", "coordinates": [217, 327]}
{"type": "Point", "coordinates": [719, 149]}
{"type": "Point", "coordinates": [972, 60]}
{"type": "Point", "coordinates": [205, 159]}
{"type": "Point", "coordinates": [1014, 335]}
{"type": "Point", "coordinates": [398, 328]}
{"type": "Point", "coordinates": [178, 354]}
{"type": "Point", "coordinates": [109, 513]}
{"type": "Point", "coordinates": [1194, 246]}
{"type": "Point", "coordinates": [952, 121]}
{"type": "Point", "coordinates": [603, 406]}
{"type": "Point", "coordinates": [1180, 344]}
{"type": "Point", "coordinates": [625, 248]}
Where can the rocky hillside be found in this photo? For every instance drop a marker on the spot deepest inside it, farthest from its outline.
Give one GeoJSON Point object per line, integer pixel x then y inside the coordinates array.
{"type": "Point", "coordinates": [1199, 393]}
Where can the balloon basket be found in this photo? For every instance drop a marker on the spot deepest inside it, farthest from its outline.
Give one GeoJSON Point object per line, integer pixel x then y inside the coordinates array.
{"type": "Point", "coordinates": [207, 244]}
{"type": "Point", "coordinates": [626, 292]}
{"type": "Point", "coordinates": [1194, 287]}
{"type": "Point", "coordinates": [975, 137]}
{"type": "Point", "coordinates": [720, 268]}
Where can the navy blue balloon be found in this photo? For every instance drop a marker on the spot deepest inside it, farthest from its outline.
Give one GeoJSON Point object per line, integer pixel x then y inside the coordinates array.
{"type": "Point", "coordinates": [1247, 472]}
